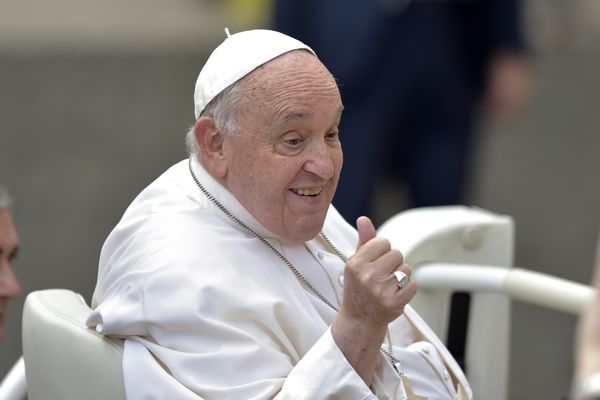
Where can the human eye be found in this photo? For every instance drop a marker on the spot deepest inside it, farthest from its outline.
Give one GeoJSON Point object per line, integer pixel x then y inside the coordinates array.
{"type": "Point", "coordinates": [333, 136]}
{"type": "Point", "coordinates": [290, 143]}
{"type": "Point", "coordinates": [294, 142]}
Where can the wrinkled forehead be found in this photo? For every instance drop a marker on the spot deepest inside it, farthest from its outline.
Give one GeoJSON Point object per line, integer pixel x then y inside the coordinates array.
{"type": "Point", "coordinates": [292, 74]}
{"type": "Point", "coordinates": [295, 83]}
{"type": "Point", "coordinates": [299, 62]}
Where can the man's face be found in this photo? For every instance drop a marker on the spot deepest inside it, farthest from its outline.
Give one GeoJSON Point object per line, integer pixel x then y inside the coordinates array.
{"type": "Point", "coordinates": [285, 163]}
{"type": "Point", "coordinates": [9, 286]}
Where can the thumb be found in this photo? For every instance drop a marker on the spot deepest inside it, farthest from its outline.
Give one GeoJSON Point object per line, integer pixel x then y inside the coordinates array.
{"type": "Point", "coordinates": [366, 230]}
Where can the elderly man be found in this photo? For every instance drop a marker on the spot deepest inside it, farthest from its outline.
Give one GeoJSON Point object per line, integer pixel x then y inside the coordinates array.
{"type": "Point", "coordinates": [9, 242]}
{"type": "Point", "coordinates": [232, 276]}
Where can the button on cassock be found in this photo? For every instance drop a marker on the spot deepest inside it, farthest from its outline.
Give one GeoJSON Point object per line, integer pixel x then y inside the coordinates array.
{"type": "Point", "coordinates": [446, 375]}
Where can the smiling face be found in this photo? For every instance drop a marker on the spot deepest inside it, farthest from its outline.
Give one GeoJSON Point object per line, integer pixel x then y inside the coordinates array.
{"type": "Point", "coordinates": [9, 287]}
{"type": "Point", "coordinates": [284, 164]}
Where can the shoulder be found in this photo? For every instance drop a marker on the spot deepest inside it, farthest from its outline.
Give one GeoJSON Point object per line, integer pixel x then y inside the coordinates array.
{"type": "Point", "coordinates": [172, 190]}
{"type": "Point", "coordinates": [168, 223]}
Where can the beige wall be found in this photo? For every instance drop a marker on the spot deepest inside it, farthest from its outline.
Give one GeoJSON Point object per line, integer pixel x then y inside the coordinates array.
{"type": "Point", "coordinates": [89, 118]}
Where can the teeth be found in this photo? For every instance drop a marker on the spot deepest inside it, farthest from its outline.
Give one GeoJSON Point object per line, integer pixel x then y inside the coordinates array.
{"type": "Point", "coordinates": [307, 192]}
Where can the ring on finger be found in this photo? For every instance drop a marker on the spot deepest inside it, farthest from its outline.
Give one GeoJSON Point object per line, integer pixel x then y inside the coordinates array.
{"type": "Point", "coordinates": [402, 279]}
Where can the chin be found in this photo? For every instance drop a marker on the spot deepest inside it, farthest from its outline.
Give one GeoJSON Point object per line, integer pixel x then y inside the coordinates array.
{"type": "Point", "coordinates": [308, 231]}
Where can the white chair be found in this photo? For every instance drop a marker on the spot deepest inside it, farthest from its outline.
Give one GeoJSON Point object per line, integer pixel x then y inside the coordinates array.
{"type": "Point", "coordinates": [471, 250]}
{"type": "Point", "coordinates": [13, 386]}
{"type": "Point", "coordinates": [64, 359]}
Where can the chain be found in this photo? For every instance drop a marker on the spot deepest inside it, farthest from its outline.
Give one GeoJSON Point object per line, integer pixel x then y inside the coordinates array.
{"type": "Point", "coordinates": [335, 250]}
{"type": "Point", "coordinates": [299, 276]}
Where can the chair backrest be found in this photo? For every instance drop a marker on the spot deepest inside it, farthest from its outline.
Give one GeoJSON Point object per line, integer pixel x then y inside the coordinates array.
{"type": "Point", "coordinates": [64, 359]}
{"type": "Point", "coordinates": [472, 236]}
{"type": "Point", "coordinates": [13, 386]}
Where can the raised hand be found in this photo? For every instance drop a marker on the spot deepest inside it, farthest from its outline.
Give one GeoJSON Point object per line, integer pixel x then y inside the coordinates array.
{"type": "Point", "coordinates": [371, 291]}
{"type": "Point", "coordinates": [372, 299]}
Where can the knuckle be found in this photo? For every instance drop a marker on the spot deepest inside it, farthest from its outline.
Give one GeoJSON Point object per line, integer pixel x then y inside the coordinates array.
{"type": "Point", "coordinates": [383, 244]}
{"type": "Point", "coordinates": [401, 255]}
{"type": "Point", "coordinates": [406, 269]}
{"type": "Point", "coordinates": [353, 264]}
{"type": "Point", "coordinates": [410, 290]}
{"type": "Point", "coordinates": [415, 287]}
{"type": "Point", "coordinates": [397, 256]}
{"type": "Point", "coordinates": [364, 280]}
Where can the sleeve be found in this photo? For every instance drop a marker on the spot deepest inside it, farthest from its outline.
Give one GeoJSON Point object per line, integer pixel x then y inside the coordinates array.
{"type": "Point", "coordinates": [302, 383]}
{"type": "Point", "coordinates": [321, 374]}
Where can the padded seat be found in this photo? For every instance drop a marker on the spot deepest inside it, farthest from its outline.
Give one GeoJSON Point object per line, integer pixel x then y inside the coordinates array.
{"type": "Point", "coordinates": [64, 359]}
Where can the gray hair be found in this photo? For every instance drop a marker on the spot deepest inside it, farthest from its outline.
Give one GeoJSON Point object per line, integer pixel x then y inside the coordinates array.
{"type": "Point", "coordinates": [223, 109]}
{"type": "Point", "coordinates": [5, 200]}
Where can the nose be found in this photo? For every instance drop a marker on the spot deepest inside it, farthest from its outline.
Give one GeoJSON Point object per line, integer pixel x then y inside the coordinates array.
{"type": "Point", "coordinates": [320, 161]}
{"type": "Point", "coordinates": [9, 285]}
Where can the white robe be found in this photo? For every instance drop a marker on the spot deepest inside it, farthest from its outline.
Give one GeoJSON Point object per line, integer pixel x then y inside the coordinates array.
{"type": "Point", "coordinates": [209, 312]}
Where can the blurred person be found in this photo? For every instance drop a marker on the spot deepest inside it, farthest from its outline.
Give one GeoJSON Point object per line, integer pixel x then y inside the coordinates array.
{"type": "Point", "coordinates": [9, 244]}
{"type": "Point", "coordinates": [233, 277]}
{"type": "Point", "coordinates": [413, 75]}
{"type": "Point", "coordinates": [587, 351]}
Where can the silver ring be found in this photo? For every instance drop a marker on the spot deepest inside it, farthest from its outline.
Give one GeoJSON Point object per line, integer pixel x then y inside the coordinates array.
{"type": "Point", "coordinates": [402, 279]}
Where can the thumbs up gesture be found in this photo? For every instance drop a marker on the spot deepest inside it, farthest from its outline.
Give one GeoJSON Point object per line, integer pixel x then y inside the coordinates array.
{"type": "Point", "coordinates": [372, 292]}
{"type": "Point", "coordinates": [373, 297]}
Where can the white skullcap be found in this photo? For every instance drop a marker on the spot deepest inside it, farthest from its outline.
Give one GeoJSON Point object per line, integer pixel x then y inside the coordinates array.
{"type": "Point", "coordinates": [236, 57]}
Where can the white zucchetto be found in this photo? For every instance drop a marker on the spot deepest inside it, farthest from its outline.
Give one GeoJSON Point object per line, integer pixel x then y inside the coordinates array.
{"type": "Point", "coordinates": [236, 57]}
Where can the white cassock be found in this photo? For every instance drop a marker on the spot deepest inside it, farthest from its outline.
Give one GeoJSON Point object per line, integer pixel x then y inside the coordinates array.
{"type": "Point", "coordinates": [210, 312]}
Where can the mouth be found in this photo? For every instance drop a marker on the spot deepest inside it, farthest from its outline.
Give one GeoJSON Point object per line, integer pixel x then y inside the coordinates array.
{"type": "Point", "coordinates": [311, 192]}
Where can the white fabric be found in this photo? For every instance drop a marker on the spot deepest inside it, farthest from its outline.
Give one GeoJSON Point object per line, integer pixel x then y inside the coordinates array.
{"type": "Point", "coordinates": [237, 56]}
{"type": "Point", "coordinates": [209, 312]}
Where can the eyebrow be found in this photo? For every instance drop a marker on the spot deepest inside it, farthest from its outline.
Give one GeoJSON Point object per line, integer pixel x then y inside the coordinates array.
{"type": "Point", "coordinates": [303, 115]}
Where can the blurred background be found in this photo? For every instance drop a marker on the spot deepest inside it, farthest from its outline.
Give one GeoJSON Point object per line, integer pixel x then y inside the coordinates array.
{"type": "Point", "coordinates": [95, 99]}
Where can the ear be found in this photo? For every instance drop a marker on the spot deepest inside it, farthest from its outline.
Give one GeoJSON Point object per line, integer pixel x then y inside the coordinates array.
{"type": "Point", "coordinates": [210, 146]}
